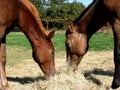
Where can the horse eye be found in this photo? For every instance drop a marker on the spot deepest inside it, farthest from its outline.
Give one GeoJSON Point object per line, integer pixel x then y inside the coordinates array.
{"type": "Point", "coordinates": [68, 32]}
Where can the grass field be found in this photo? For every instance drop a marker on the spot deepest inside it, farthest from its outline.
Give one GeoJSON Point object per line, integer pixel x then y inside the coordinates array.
{"type": "Point", "coordinates": [18, 43]}
{"type": "Point", "coordinates": [95, 71]}
{"type": "Point", "coordinates": [98, 42]}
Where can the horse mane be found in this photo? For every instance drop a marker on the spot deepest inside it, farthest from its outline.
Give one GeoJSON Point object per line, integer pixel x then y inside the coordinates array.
{"type": "Point", "coordinates": [84, 12]}
{"type": "Point", "coordinates": [34, 14]}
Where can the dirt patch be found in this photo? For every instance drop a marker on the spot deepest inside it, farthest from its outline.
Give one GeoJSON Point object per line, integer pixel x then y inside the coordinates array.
{"type": "Point", "coordinates": [95, 73]}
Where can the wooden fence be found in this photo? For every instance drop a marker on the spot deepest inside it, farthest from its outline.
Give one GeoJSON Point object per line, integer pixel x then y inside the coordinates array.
{"type": "Point", "coordinates": [105, 28]}
{"type": "Point", "coordinates": [52, 20]}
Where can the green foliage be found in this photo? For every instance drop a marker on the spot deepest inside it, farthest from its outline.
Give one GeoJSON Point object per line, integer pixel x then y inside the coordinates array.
{"type": "Point", "coordinates": [58, 9]}
{"type": "Point", "coordinates": [65, 11]}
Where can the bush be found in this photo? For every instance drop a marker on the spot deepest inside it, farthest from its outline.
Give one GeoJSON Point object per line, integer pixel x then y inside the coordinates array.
{"type": "Point", "coordinates": [55, 10]}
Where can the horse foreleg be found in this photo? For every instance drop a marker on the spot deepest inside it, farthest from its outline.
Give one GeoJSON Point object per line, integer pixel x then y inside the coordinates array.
{"type": "Point", "coordinates": [116, 31]}
{"type": "Point", "coordinates": [4, 81]}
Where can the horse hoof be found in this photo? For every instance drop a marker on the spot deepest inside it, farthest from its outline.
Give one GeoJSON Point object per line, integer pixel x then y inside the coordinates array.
{"type": "Point", "coordinates": [115, 85]}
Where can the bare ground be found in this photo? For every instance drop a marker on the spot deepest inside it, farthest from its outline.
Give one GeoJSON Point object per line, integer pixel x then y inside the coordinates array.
{"type": "Point", "coordinates": [95, 73]}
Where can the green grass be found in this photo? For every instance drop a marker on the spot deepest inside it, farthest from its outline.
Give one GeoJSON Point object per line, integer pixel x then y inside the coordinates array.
{"type": "Point", "coordinates": [18, 40]}
{"type": "Point", "coordinates": [101, 42]}
{"type": "Point", "coordinates": [59, 42]}
{"type": "Point", "coordinates": [18, 47]}
{"type": "Point", "coordinates": [98, 42]}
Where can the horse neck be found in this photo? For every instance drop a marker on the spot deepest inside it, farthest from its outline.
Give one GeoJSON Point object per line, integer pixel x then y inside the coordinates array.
{"type": "Point", "coordinates": [31, 25]}
{"type": "Point", "coordinates": [93, 19]}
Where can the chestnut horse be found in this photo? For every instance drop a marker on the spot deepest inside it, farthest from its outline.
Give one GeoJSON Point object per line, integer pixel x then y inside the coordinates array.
{"type": "Point", "coordinates": [22, 13]}
{"type": "Point", "coordinates": [79, 32]}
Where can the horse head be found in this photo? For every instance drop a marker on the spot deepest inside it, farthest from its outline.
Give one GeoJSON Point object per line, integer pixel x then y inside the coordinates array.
{"type": "Point", "coordinates": [76, 45]}
{"type": "Point", "coordinates": [45, 56]}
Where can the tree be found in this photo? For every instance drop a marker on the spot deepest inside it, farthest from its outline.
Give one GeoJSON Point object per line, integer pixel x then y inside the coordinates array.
{"type": "Point", "coordinates": [65, 11]}
{"type": "Point", "coordinates": [58, 9]}
{"type": "Point", "coordinates": [57, 2]}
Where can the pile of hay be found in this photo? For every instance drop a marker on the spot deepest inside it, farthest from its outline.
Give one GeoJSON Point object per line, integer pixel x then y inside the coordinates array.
{"type": "Point", "coordinates": [95, 73]}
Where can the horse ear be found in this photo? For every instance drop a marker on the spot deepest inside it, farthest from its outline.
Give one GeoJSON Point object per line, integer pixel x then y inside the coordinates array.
{"type": "Point", "coordinates": [70, 25]}
{"type": "Point", "coordinates": [50, 35]}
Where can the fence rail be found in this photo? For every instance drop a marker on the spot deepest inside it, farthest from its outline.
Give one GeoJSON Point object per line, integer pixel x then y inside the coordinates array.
{"type": "Point", "coordinates": [106, 27]}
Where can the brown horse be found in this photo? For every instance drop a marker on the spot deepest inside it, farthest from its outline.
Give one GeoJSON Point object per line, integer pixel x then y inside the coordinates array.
{"type": "Point", "coordinates": [22, 13]}
{"type": "Point", "coordinates": [82, 28]}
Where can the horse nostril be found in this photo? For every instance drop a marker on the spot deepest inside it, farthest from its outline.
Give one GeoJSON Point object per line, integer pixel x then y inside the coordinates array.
{"type": "Point", "coordinates": [67, 44]}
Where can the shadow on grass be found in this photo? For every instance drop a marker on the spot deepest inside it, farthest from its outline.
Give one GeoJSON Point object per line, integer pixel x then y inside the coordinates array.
{"type": "Point", "coordinates": [26, 80]}
{"type": "Point", "coordinates": [89, 75]}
